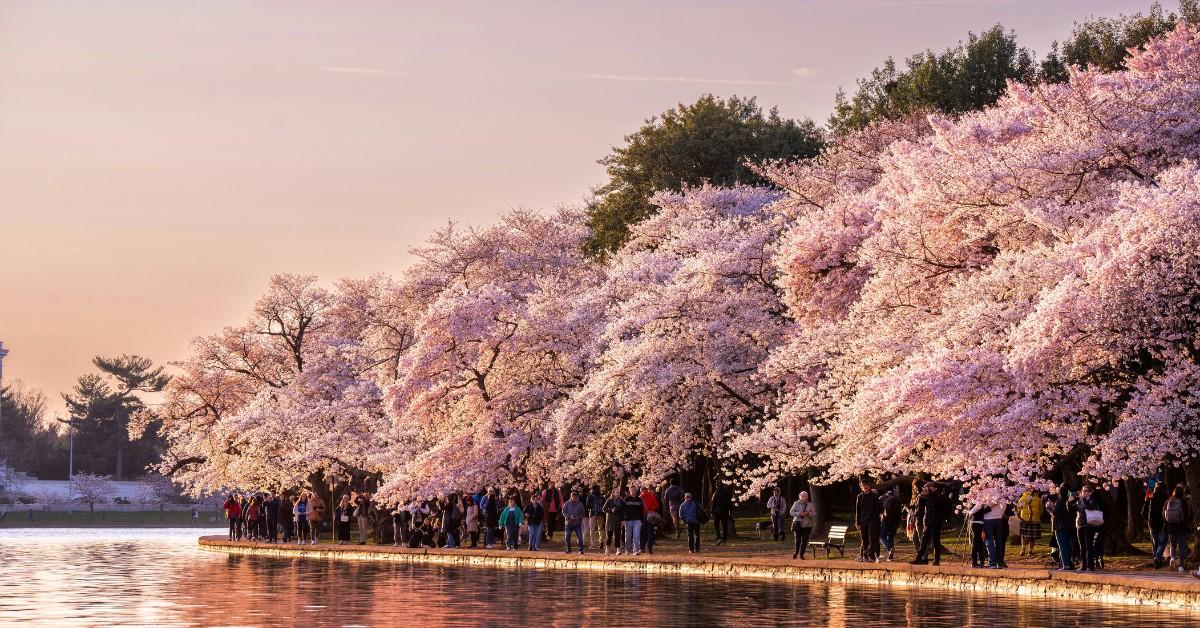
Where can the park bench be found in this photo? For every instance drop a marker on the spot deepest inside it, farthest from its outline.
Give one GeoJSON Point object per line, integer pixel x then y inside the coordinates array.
{"type": "Point", "coordinates": [836, 538]}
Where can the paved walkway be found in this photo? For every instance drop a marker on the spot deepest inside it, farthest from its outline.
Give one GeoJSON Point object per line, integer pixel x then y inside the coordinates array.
{"type": "Point", "coordinates": [752, 560]}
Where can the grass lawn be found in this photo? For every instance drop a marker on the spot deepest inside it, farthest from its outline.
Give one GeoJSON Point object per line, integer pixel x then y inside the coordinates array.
{"type": "Point", "coordinates": [102, 518]}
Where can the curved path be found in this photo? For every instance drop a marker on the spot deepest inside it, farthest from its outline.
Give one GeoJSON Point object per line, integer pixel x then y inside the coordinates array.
{"type": "Point", "coordinates": [1151, 588]}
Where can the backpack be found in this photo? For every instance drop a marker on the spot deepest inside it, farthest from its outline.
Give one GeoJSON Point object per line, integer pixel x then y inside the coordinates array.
{"type": "Point", "coordinates": [1174, 511]}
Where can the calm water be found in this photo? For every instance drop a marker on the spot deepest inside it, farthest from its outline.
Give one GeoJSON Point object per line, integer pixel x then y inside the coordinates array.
{"type": "Point", "coordinates": [159, 577]}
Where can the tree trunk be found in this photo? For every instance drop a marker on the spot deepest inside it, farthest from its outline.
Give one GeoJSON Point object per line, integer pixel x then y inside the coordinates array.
{"type": "Point", "coordinates": [822, 505]}
{"type": "Point", "coordinates": [120, 474]}
{"type": "Point", "coordinates": [1133, 510]}
{"type": "Point", "coordinates": [1191, 472]}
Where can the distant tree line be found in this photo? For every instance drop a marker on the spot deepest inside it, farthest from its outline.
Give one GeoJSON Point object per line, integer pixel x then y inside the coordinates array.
{"type": "Point", "coordinates": [99, 409]}
{"type": "Point", "coordinates": [713, 139]}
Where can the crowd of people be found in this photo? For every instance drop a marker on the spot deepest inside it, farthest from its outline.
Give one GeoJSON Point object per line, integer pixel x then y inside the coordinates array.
{"type": "Point", "coordinates": [628, 520]}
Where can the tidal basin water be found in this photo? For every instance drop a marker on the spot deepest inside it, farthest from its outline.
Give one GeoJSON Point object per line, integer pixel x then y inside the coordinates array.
{"type": "Point", "coordinates": [102, 577]}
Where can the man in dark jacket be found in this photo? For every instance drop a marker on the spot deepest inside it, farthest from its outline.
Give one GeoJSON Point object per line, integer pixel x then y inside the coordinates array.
{"type": "Point", "coordinates": [930, 510]}
{"type": "Point", "coordinates": [866, 519]}
{"type": "Point", "coordinates": [889, 505]}
{"type": "Point", "coordinates": [721, 508]}
{"type": "Point", "coordinates": [1152, 514]}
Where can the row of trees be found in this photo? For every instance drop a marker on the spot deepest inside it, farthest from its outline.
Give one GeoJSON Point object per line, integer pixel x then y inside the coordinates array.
{"type": "Point", "coordinates": [99, 409]}
{"type": "Point", "coordinates": [1006, 297]}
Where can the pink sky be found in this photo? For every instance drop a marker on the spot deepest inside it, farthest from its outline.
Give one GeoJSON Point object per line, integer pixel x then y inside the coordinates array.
{"type": "Point", "coordinates": [160, 160]}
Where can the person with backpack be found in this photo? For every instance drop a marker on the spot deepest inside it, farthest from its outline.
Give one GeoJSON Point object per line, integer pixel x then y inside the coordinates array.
{"type": "Point", "coordinates": [1088, 517]}
{"type": "Point", "coordinates": [1030, 512]}
{"type": "Point", "coordinates": [674, 498]}
{"type": "Point", "coordinates": [1152, 513]}
{"type": "Point", "coordinates": [691, 516]}
{"type": "Point", "coordinates": [889, 524]}
{"type": "Point", "coordinates": [1177, 515]}
{"type": "Point", "coordinates": [803, 517]}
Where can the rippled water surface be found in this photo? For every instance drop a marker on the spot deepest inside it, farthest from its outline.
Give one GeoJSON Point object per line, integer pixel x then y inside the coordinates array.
{"type": "Point", "coordinates": [160, 577]}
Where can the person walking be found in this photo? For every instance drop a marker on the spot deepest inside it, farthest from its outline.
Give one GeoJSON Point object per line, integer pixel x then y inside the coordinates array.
{"type": "Point", "coordinates": [1087, 518]}
{"type": "Point", "coordinates": [286, 517]}
{"type": "Point", "coordinates": [271, 517]}
{"type": "Point", "coordinates": [471, 516]}
{"type": "Point", "coordinates": [233, 513]}
{"type": "Point", "coordinates": [489, 507]}
{"type": "Point", "coordinates": [721, 508]}
{"type": "Point", "coordinates": [1062, 522]}
{"type": "Point", "coordinates": [362, 516]}
{"type": "Point", "coordinates": [510, 520]}
{"type": "Point", "coordinates": [674, 498]}
{"type": "Point", "coordinates": [1153, 511]}
{"type": "Point", "coordinates": [803, 517]}
{"type": "Point", "coordinates": [342, 515]}
{"type": "Point", "coordinates": [632, 514]}
{"type": "Point", "coordinates": [777, 508]}
{"type": "Point", "coordinates": [301, 511]}
{"type": "Point", "coordinates": [866, 519]}
{"type": "Point", "coordinates": [452, 516]}
{"type": "Point", "coordinates": [252, 511]}
{"type": "Point", "coordinates": [1177, 516]}
{"type": "Point", "coordinates": [573, 513]}
{"type": "Point", "coordinates": [889, 521]}
{"type": "Point", "coordinates": [535, 517]}
{"type": "Point", "coordinates": [552, 500]}
{"type": "Point", "coordinates": [689, 513]}
{"type": "Point", "coordinates": [595, 508]}
{"type": "Point", "coordinates": [316, 515]}
{"type": "Point", "coordinates": [614, 518]}
{"type": "Point", "coordinates": [651, 519]}
{"type": "Point", "coordinates": [931, 514]}
{"type": "Point", "coordinates": [1030, 512]}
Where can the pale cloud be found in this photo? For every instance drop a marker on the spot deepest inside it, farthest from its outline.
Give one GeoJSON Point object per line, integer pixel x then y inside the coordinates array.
{"type": "Point", "coordinates": [803, 72]}
{"type": "Point", "coordinates": [342, 69]}
{"type": "Point", "coordinates": [685, 79]}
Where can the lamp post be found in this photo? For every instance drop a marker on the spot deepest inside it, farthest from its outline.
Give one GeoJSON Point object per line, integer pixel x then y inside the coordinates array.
{"type": "Point", "coordinates": [3, 352]}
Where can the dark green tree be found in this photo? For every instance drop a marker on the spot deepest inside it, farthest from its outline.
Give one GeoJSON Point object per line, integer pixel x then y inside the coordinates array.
{"type": "Point", "coordinates": [101, 406]}
{"type": "Point", "coordinates": [1104, 43]}
{"type": "Point", "coordinates": [28, 441]}
{"type": "Point", "coordinates": [967, 77]}
{"type": "Point", "coordinates": [709, 140]}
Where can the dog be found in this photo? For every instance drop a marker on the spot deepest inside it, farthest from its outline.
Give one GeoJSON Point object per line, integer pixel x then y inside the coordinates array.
{"type": "Point", "coordinates": [762, 528]}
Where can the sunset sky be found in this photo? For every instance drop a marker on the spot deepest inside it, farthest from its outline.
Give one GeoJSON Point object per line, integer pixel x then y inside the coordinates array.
{"type": "Point", "coordinates": [160, 160]}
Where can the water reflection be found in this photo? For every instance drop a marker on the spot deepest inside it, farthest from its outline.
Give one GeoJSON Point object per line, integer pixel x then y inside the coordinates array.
{"type": "Point", "coordinates": [160, 577]}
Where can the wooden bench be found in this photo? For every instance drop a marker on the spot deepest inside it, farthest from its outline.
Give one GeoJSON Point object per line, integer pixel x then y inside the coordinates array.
{"type": "Point", "coordinates": [836, 539]}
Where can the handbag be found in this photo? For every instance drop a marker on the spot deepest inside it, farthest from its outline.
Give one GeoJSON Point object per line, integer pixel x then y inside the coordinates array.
{"type": "Point", "coordinates": [345, 518]}
{"type": "Point", "coordinates": [1094, 517]}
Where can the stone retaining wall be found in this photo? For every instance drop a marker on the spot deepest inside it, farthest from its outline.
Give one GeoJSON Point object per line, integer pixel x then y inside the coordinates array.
{"type": "Point", "coordinates": [1132, 588]}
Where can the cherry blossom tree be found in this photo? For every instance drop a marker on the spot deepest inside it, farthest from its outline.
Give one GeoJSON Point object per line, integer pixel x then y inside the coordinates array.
{"type": "Point", "coordinates": [497, 348]}
{"type": "Point", "coordinates": [691, 309]}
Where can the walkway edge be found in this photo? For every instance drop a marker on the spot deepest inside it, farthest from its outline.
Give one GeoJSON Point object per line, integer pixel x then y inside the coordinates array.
{"type": "Point", "coordinates": [1104, 587]}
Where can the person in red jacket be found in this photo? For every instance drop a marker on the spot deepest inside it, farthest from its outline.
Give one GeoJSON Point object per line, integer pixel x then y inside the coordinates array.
{"type": "Point", "coordinates": [233, 512]}
{"type": "Point", "coordinates": [552, 500]}
{"type": "Point", "coordinates": [653, 519]}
